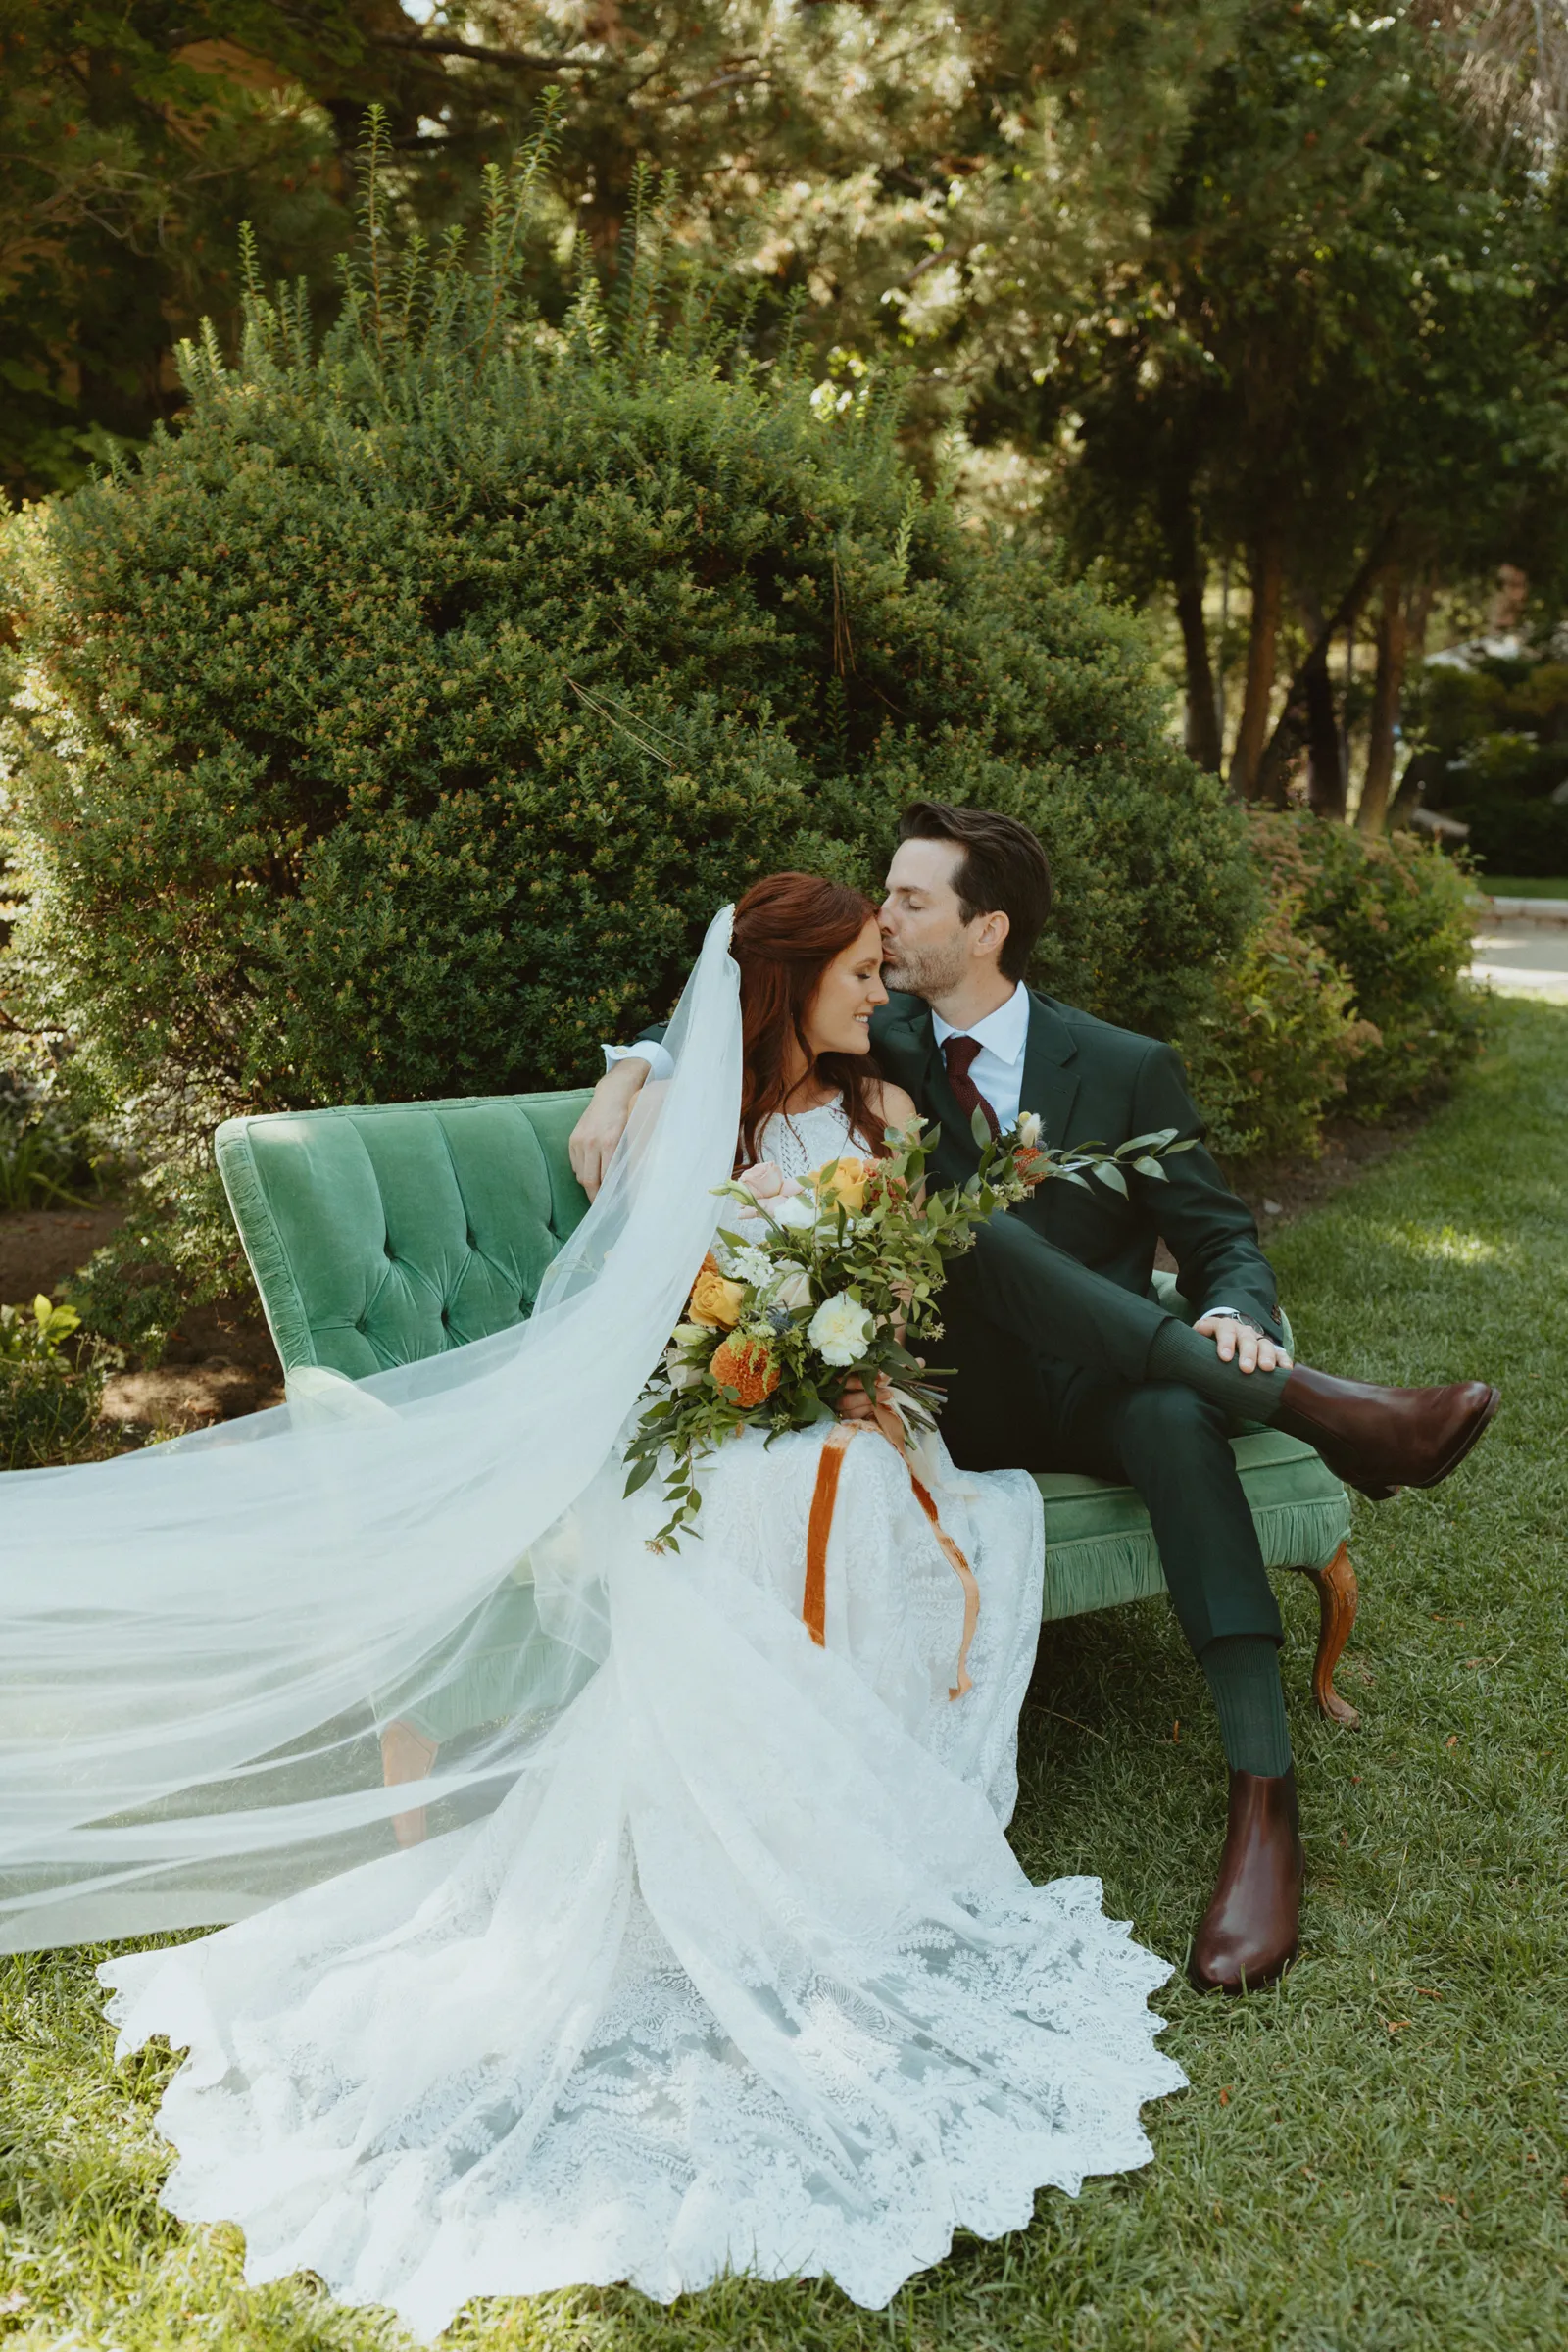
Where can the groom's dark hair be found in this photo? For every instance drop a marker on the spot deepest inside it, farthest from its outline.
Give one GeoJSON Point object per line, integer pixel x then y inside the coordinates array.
{"type": "Point", "coordinates": [1003, 870]}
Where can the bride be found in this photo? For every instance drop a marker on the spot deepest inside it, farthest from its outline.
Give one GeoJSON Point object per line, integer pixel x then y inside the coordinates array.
{"type": "Point", "coordinates": [715, 1957]}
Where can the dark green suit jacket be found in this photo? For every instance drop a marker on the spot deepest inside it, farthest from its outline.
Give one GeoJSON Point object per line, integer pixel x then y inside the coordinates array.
{"type": "Point", "coordinates": [1092, 1083]}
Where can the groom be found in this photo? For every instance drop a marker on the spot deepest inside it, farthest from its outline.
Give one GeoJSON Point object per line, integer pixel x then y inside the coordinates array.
{"type": "Point", "coordinates": [1067, 1361]}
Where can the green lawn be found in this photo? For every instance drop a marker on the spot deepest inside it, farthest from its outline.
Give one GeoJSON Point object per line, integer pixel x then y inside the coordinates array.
{"type": "Point", "coordinates": [1525, 886]}
{"type": "Point", "coordinates": [1371, 2157]}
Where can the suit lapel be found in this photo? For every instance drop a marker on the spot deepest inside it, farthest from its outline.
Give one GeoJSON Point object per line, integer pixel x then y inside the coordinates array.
{"type": "Point", "coordinates": [1050, 1079]}
{"type": "Point", "coordinates": [1049, 1072]}
{"type": "Point", "coordinates": [913, 1041]}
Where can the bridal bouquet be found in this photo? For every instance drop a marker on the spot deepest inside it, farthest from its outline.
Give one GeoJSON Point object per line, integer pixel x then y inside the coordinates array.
{"type": "Point", "coordinates": [820, 1281]}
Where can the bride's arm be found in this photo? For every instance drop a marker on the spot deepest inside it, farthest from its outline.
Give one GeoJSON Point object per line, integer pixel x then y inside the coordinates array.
{"type": "Point", "coordinates": [593, 1141]}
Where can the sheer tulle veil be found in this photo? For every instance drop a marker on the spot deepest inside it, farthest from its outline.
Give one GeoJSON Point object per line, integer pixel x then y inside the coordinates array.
{"type": "Point", "coordinates": [201, 1641]}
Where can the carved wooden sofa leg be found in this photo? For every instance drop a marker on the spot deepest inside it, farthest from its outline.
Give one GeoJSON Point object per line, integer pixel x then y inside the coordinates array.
{"type": "Point", "coordinates": [408, 1755]}
{"type": "Point", "coordinates": [1337, 1600]}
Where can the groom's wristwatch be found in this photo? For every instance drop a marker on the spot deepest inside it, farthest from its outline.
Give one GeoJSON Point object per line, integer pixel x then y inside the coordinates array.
{"type": "Point", "coordinates": [1234, 1314]}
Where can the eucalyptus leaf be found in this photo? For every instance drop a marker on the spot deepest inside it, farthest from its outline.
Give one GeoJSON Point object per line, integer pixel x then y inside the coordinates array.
{"type": "Point", "coordinates": [980, 1127]}
{"type": "Point", "coordinates": [1109, 1174]}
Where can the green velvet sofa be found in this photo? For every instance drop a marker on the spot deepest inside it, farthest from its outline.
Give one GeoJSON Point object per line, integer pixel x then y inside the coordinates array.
{"type": "Point", "coordinates": [381, 1234]}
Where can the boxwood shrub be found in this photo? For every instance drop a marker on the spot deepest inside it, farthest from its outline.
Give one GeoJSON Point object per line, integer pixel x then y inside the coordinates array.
{"type": "Point", "coordinates": [1395, 916]}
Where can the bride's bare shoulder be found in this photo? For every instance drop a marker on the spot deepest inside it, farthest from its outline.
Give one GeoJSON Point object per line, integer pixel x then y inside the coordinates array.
{"type": "Point", "coordinates": [889, 1104]}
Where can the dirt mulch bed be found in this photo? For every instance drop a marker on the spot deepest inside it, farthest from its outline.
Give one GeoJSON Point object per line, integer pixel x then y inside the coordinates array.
{"type": "Point", "coordinates": [221, 1364]}
{"type": "Point", "coordinates": [40, 1249]}
{"type": "Point", "coordinates": [1279, 1191]}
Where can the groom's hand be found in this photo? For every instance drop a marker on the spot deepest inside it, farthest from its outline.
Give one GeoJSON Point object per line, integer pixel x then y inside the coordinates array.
{"type": "Point", "coordinates": [1251, 1349]}
{"type": "Point", "coordinates": [593, 1141]}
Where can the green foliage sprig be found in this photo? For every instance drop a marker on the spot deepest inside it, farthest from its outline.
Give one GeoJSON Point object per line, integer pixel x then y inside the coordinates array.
{"type": "Point", "coordinates": [48, 1403]}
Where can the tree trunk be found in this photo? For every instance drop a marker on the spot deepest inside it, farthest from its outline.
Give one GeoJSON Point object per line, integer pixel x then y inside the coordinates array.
{"type": "Point", "coordinates": [1188, 580]}
{"type": "Point", "coordinates": [1418, 613]}
{"type": "Point", "coordinates": [1267, 573]}
{"type": "Point", "coordinates": [1386, 689]}
{"type": "Point", "coordinates": [1291, 727]}
{"type": "Point", "coordinates": [1325, 773]}
{"type": "Point", "coordinates": [1324, 743]}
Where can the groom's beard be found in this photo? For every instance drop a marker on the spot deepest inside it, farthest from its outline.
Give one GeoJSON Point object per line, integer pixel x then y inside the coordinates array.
{"type": "Point", "coordinates": [924, 973]}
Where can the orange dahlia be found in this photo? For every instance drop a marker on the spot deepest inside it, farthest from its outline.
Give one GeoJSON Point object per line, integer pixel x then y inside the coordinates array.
{"type": "Point", "coordinates": [747, 1366]}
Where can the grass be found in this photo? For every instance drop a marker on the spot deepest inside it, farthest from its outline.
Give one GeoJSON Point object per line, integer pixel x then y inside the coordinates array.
{"type": "Point", "coordinates": [1371, 2157]}
{"type": "Point", "coordinates": [1523, 886]}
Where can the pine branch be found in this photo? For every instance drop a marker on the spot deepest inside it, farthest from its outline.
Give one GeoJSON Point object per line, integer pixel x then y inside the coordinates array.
{"type": "Point", "coordinates": [525, 61]}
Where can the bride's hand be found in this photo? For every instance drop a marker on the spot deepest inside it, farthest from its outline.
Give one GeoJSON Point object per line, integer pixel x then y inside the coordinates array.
{"type": "Point", "coordinates": [855, 1405]}
{"type": "Point", "coordinates": [591, 1145]}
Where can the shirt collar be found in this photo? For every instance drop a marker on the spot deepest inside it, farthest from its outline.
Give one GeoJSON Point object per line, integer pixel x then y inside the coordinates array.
{"type": "Point", "coordinates": [1004, 1033]}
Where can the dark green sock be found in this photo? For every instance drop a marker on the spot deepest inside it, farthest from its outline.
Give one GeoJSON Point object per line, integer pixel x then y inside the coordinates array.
{"type": "Point", "coordinates": [1243, 1672]}
{"type": "Point", "coordinates": [1185, 1355]}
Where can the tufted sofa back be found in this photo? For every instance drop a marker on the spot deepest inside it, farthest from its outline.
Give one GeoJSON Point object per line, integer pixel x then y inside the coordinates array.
{"type": "Point", "coordinates": [384, 1234]}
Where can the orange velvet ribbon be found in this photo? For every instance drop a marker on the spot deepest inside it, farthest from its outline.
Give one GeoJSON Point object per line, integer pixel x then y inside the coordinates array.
{"type": "Point", "coordinates": [819, 1527]}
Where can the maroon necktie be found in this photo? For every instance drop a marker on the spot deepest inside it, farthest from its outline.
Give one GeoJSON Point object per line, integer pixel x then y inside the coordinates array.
{"type": "Point", "coordinates": [959, 1053]}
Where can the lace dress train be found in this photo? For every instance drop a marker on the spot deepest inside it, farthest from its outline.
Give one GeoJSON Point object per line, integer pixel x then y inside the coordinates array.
{"type": "Point", "coordinates": [740, 1976]}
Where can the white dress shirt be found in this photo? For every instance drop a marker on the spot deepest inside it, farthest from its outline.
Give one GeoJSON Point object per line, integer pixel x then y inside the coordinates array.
{"type": "Point", "coordinates": [660, 1063]}
{"type": "Point", "coordinates": [998, 1068]}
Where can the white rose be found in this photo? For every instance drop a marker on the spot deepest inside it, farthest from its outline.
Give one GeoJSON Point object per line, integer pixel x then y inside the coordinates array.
{"type": "Point", "coordinates": [796, 1289]}
{"type": "Point", "coordinates": [840, 1330]}
{"type": "Point", "coordinates": [682, 1374]}
{"type": "Point", "coordinates": [797, 1212]}
{"type": "Point", "coordinates": [1029, 1130]}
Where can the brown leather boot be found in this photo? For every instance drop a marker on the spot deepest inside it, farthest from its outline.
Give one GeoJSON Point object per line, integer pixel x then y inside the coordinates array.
{"type": "Point", "coordinates": [1380, 1439]}
{"type": "Point", "coordinates": [1248, 1934]}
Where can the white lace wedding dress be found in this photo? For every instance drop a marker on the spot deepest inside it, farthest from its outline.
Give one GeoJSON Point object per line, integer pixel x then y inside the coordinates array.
{"type": "Point", "coordinates": [740, 1976]}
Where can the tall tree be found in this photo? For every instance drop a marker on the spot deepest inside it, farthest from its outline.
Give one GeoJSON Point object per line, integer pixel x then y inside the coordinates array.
{"type": "Point", "coordinates": [1340, 346]}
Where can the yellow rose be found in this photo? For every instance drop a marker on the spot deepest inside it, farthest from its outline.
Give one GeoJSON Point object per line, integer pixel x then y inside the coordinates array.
{"type": "Point", "coordinates": [717, 1302]}
{"type": "Point", "coordinates": [843, 1182]}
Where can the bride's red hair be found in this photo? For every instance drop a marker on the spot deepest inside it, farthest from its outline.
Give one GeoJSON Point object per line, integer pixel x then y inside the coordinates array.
{"type": "Point", "coordinates": [788, 929]}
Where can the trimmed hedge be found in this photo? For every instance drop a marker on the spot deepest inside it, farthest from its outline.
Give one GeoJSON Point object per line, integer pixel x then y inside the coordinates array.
{"type": "Point", "coordinates": [1496, 750]}
{"type": "Point", "coordinates": [1512, 835]}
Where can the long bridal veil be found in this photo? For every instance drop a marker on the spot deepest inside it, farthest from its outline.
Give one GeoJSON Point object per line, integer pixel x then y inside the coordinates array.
{"type": "Point", "coordinates": [200, 1641]}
